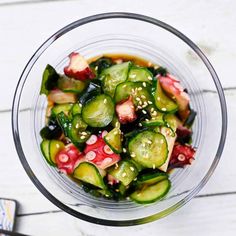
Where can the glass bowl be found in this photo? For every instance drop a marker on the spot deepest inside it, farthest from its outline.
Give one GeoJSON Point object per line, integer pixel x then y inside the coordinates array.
{"type": "Point", "coordinates": [156, 42]}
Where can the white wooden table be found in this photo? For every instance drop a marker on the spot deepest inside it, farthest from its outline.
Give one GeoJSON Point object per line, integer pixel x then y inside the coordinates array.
{"type": "Point", "coordinates": [25, 24]}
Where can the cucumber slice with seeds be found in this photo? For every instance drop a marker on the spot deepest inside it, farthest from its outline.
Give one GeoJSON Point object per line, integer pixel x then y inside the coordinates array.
{"type": "Point", "coordinates": [77, 133]}
{"type": "Point", "coordinates": [148, 149]}
{"type": "Point", "coordinates": [99, 111]}
{"type": "Point", "coordinates": [151, 193]}
{"type": "Point", "coordinates": [126, 172]}
{"type": "Point", "coordinates": [45, 151]}
{"type": "Point", "coordinates": [140, 74]}
{"type": "Point", "coordinates": [163, 102]}
{"type": "Point", "coordinates": [113, 76]}
{"type": "Point", "coordinates": [54, 147]}
{"type": "Point", "coordinates": [87, 172]}
{"type": "Point", "coordinates": [113, 140]}
{"type": "Point", "coordinates": [140, 92]}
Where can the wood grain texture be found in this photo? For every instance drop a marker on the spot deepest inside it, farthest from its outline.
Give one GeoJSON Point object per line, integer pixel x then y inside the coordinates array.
{"type": "Point", "coordinates": [211, 24]}
{"type": "Point", "coordinates": [203, 216]}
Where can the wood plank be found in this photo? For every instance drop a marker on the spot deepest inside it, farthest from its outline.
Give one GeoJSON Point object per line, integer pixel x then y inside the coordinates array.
{"type": "Point", "coordinates": [23, 33]}
{"type": "Point", "coordinates": [203, 216]}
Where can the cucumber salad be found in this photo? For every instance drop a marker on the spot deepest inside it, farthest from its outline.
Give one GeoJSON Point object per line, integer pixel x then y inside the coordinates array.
{"type": "Point", "coordinates": [117, 125]}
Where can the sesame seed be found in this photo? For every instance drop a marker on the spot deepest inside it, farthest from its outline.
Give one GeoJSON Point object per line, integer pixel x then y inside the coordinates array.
{"type": "Point", "coordinates": [106, 195]}
{"type": "Point", "coordinates": [144, 112]}
{"type": "Point", "coordinates": [163, 109]}
{"type": "Point", "coordinates": [116, 132]}
{"type": "Point", "coordinates": [154, 113]}
{"type": "Point", "coordinates": [116, 166]}
{"type": "Point", "coordinates": [143, 96]}
{"type": "Point", "coordinates": [132, 90]}
{"type": "Point", "coordinates": [105, 101]}
{"type": "Point", "coordinates": [80, 104]}
{"type": "Point", "coordinates": [96, 68]}
{"type": "Point", "coordinates": [124, 150]}
{"type": "Point", "coordinates": [82, 137]}
{"type": "Point", "coordinates": [146, 119]}
{"type": "Point", "coordinates": [124, 85]}
{"type": "Point", "coordinates": [135, 179]}
{"type": "Point", "coordinates": [149, 142]}
{"type": "Point", "coordinates": [140, 103]}
{"type": "Point", "coordinates": [139, 107]}
{"type": "Point", "coordinates": [149, 102]}
{"type": "Point", "coordinates": [158, 98]}
{"type": "Point", "coordinates": [131, 168]}
{"type": "Point", "coordinates": [140, 124]}
{"type": "Point", "coordinates": [149, 78]}
{"type": "Point", "coordinates": [133, 76]}
{"type": "Point", "coordinates": [152, 109]}
{"type": "Point", "coordinates": [127, 198]}
{"type": "Point", "coordinates": [117, 190]}
{"type": "Point", "coordinates": [145, 103]}
{"type": "Point", "coordinates": [140, 88]}
{"type": "Point", "coordinates": [84, 133]}
{"type": "Point", "coordinates": [124, 174]}
{"type": "Point", "coordinates": [57, 145]}
{"type": "Point", "coordinates": [138, 99]}
{"type": "Point", "coordinates": [154, 166]}
{"type": "Point", "coordinates": [144, 84]}
{"type": "Point", "coordinates": [132, 154]}
{"type": "Point", "coordinates": [77, 126]}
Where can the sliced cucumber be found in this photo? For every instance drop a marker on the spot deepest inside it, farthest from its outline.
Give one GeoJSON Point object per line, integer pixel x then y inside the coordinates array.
{"type": "Point", "coordinates": [113, 76]}
{"type": "Point", "coordinates": [61, 108]}
{"type": "Point", "coordinates": [126, 172]}
{"type": "Point", "coordinates": [170, 139]}
{"type": "Point", "coordinates": [76, 109]}
{"type": "Point", "coordinates": [99, 111]}
{"type": "Point", "coordinates": [163, 102]}
{"type": "Point", "coordinates": [45, 150]}
{"type": "Point", "coordinates": [50, 78]}
{"type": "Point", "coordinates": [171, 122]}
{"type": "Point", "coordinates": [54, 147]}
{"type": "Point", "coordinates": [100, 64]}
{"type": "Point", "coordinates": [148, 149]}
{"type": "Point", "coordinates": [155, 120]}
{"type": "Point", "coordinates": [76, 132]}
{"type": "Point", "coordinates": [67, 84]}
{"type": "Point", "coordinates": [87, 172]}
{"type": "Point", "coordinates": [140, 74]}
{"type": "Point", "coordinates": [113, 140]}
{"type": "Point", "coordinates": [151, 178]}
{"type": "Point", "coordinates": [140, 92]}
{"type": "Point", "coordinates": [151, 193]}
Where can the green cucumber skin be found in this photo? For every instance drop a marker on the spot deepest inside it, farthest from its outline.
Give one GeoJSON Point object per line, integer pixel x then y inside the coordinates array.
{"type": "Point", "coordinates": [108, 140]}
{"type": "Point", "coordinates": [165, 104]}
{"type": "Point", "coordinates": [124, 167]}
{"type": "Point", "coordinates": [141, 74]}
{"type": "Point", "coordinates": [45, 151]}
{"type": "Point", "coordinates": [151, 178]}
{"type": "Point", "coordinates": [94, 169]}
{"type": "Point", "coordinates": [113, 76]}
{"type": "Point", "coordinates": [133, 198]}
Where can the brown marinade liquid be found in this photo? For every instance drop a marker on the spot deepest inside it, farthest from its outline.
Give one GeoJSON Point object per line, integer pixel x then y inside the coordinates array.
{"type": "Point", "coordinates": [124, 57]}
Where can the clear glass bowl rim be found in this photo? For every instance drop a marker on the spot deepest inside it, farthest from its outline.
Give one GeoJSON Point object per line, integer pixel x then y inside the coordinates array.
{"type": "Point", "coordinates": [32, 61]}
